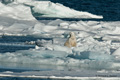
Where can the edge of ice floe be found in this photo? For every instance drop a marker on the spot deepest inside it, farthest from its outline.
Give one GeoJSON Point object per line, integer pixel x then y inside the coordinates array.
{"type": "Point", "coordinates": [105, 77]}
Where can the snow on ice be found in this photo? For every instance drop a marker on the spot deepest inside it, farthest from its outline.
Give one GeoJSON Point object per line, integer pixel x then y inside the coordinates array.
{"type": "Point", "coordinates": [58, 10]}
{"type": "Point", "coordinates": [95, 39]}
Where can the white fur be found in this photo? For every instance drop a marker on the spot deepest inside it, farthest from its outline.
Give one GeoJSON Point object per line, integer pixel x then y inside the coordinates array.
{"type": "Point", "coordinates": [71, 42]}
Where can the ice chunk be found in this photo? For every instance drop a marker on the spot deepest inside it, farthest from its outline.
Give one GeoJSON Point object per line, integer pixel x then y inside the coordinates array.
{"type": "Point", "coordinates": [19, 11]}
{"type": "Point", "coordinates": [41, 28]}
{"type": "Point", "coordinates": [55, 22]}
{"type": "Point", "coordinates": [87, 60]}
{"type": "Point", "coordinates": [62, 48]}
{"type": "Point", "coordinates": [49, 9]}
{"type": "Point", "coordinates": [116, 52]}
{"type": "Point", "coordinates": [17, 28]}
{"type": "Point", "coordinates": [92, 56]}
{"type": "Point", "coordinates": [32, 56]}
{"type": "Point", "coordinates": [38, 27]}
{"type": "Point", "coordinates": [100, 56]}
{"type": "Point", "coordinates": [23, 1]}
{"type": "Point", "coordinates": [64, 25]}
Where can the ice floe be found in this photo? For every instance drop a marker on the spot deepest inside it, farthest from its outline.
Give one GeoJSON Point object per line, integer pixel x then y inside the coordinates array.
{"type": "Point", "coordinates": [16, 11]}
{"type": "Point", "coordinates": [95, 39]}
{"type": "Point", "coordinates": [50, 9]}
{"type": "Point", "coordinates": [58, 10]}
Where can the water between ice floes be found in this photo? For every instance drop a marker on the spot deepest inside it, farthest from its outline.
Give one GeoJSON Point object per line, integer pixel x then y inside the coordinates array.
{"type": "Point", "coordinates": [14, 43]}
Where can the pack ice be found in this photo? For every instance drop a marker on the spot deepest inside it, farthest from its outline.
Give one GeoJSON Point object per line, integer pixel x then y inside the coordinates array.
{"type": "Point", "coordinates": [95, 39]}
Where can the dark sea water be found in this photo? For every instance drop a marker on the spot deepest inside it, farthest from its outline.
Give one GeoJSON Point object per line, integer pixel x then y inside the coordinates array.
{"type": "Point", "coordinates": [110, 9]}
{"type": "Point", "coordinates": [14, 43]}
{"type": "Point", "coordinates": [18, 78]}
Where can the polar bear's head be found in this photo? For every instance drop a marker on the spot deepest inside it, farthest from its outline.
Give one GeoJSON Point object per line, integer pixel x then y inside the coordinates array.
{"type": "Point", "coordinates": [72, 34]}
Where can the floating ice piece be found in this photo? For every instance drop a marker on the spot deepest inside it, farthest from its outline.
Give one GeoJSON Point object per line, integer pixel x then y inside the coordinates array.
{"type": "Point", "coordinates": [92, 56]}
{"type": "Point", "coordinates": [62, 48]}
{"type": "Point", "coordinates": [116, 52]}
{"type": "Point", "coordinates": [32, 56]}
{"type": "Point", "coordinates": [49, 9]}
{"type": "Point", "coordinates": [100, 56]}
{"type": "Point", "coordinates": [23, 1]}
{"type": "Point", "coordinates": [81, 49]}
{"type": "Point", "coordinates": [18, 11]}
{"type": "Point", "coordinates": [17, 28]}
{"type": "Point", "coordinates": [55, 22]}
{"type": "Point", "coordinates": [64, 24]}
{"type": "Point", "coordinates": [48, 57]}
{"type": "Point", "coordinates": [41, 28]}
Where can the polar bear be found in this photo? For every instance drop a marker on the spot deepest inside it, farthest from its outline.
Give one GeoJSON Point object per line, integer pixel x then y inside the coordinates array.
{"type": "Point", "coordinates": [71, 42]}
